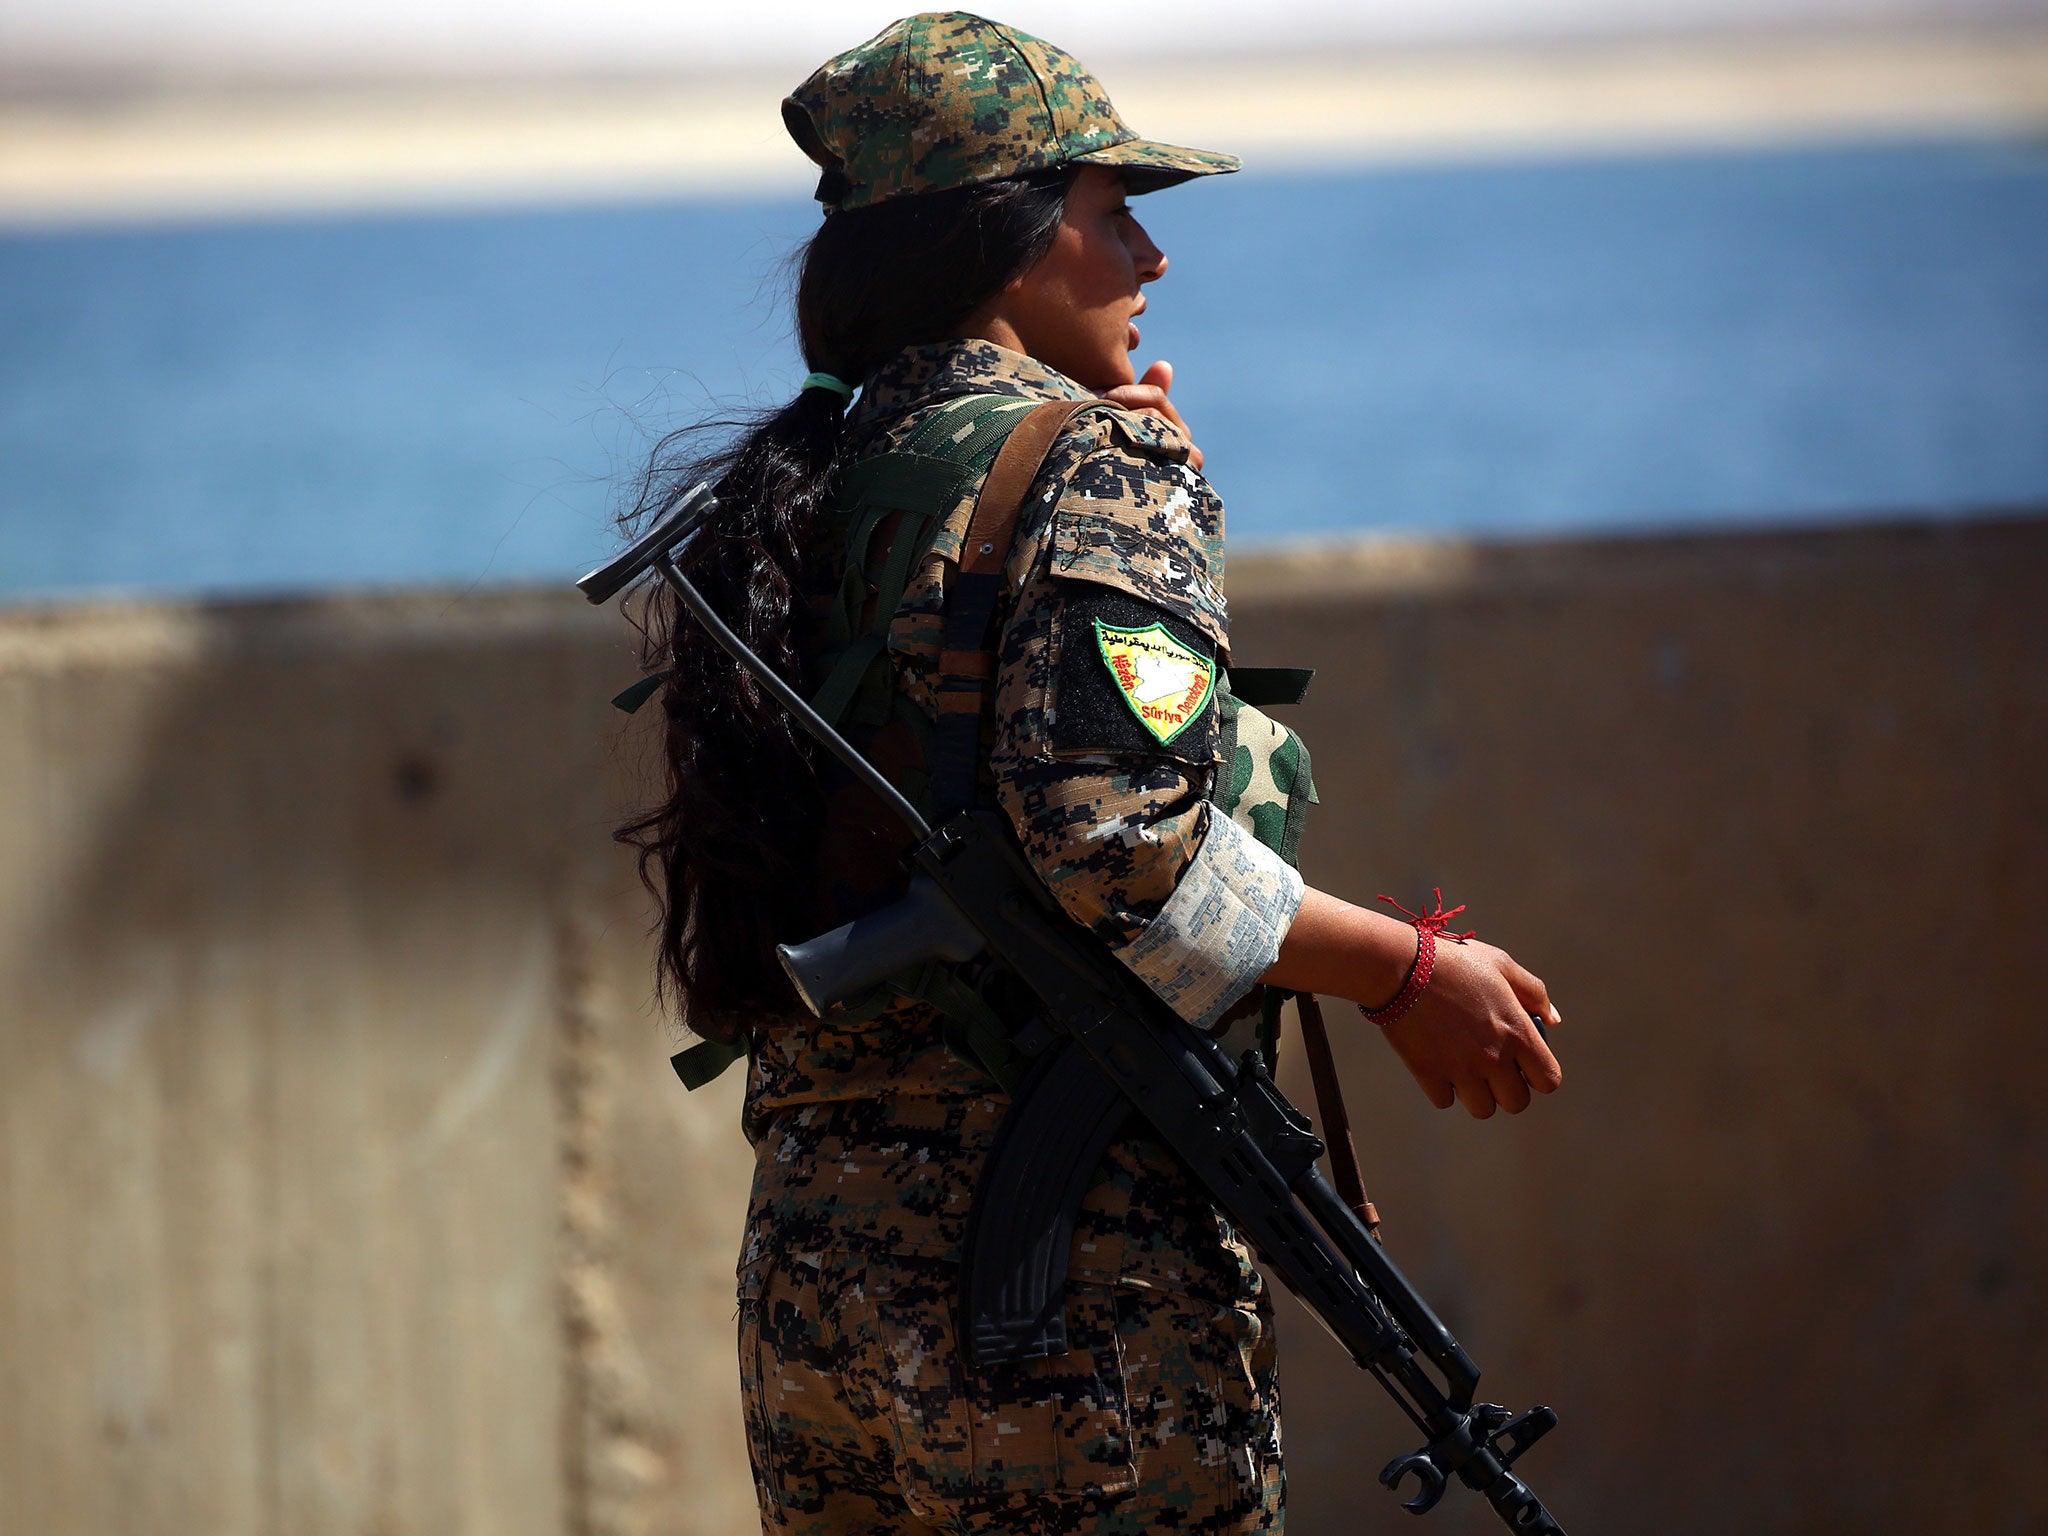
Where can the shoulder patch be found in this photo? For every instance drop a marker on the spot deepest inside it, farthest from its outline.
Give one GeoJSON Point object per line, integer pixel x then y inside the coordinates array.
{"type": "Point", "coordinates": [1131, 677]}
{"type": "Point", "coordinates": [1164, 682]}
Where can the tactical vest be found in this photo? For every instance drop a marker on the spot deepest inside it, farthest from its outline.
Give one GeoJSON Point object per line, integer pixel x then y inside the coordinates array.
{"type": "Point", "coordinates": [894, 502]}
{"type": "Point", "coordinates": [887, 512]}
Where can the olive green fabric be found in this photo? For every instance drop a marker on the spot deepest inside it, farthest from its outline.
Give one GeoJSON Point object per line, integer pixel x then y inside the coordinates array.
{"type": "Point", "coordinates": [920, 482]}
{"type": "Point", "coordinates": [917, 483]}
{"type": "Point", "coordinates": [704, 1061]}
{"type": "Point", "coordinates": [948, 99]}
{"type": "Point", "coordinates": [1265, 786]}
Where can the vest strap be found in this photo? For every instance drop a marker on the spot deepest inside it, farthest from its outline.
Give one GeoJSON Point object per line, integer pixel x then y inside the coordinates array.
{"type": "Point", "coordinates": [902, 479]}
{"type": "Point", "coordinates": [1263, 687]}
{"type": "Point", "coordinates": [993, 528]}
{"type": "Point", "coordinates": [967, 430]}
{"type": "Point", "coordinates": [836, 693]}
{"type": "Point", "coordinates": [705, 1060]}
{"type": "Point", "coordinates": [971, 604]}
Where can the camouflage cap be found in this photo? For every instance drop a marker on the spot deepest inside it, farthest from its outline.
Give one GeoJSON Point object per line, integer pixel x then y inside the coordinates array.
{"type": "Point", "coordinates": [946, 99]}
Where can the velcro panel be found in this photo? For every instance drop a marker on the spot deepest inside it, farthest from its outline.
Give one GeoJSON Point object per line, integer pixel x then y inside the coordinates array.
{"type": "Point", "coordinates": [1094, 711]}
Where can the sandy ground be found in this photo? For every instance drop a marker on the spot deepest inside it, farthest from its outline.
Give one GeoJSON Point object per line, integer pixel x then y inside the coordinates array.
{"type": "Point", "coordinates": [391, 146]}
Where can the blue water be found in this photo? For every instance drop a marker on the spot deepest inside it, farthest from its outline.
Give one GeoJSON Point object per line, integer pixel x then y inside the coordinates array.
{"type": "Point", "coordinates": [1622, 343]}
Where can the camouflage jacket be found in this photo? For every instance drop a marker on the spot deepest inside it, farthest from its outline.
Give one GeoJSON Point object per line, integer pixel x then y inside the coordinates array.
{"type": "Point", "coordinates": [1119, 537]}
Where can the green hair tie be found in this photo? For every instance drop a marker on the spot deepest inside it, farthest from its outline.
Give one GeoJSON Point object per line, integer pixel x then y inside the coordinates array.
{"type": "Point", "coordinates": [837, 385]}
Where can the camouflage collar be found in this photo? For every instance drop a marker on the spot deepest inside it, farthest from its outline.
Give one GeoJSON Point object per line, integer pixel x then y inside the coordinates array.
{"type": "Point", "coordinates": [939, 370]}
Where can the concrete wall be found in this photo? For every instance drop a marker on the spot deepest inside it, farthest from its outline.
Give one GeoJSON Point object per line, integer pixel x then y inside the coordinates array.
{"type": "Point", "coordinates": [343, 1187]}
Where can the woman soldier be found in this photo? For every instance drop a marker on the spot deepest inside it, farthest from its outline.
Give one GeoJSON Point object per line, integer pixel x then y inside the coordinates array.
{"type": "Point", "coordinates": [978, 257]}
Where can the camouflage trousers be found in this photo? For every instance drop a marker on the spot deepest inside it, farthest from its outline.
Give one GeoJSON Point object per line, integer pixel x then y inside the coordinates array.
{"type": "Point", "coordinates": [863, 1419]}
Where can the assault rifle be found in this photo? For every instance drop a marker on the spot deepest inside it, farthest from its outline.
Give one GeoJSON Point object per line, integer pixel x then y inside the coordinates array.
{"type": "Point", "coordinates": [1098, 1045]}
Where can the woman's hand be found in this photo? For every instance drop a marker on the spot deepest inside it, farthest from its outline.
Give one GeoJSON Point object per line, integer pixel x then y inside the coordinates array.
{"type": "Point", "coordinates": [1470, 1038]}
{"type": "Point", "coordinates": [1149, 394]}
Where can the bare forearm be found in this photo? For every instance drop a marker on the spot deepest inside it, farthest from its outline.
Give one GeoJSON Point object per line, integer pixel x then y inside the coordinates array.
{"type": "Point", "coordinates": [1340, 950]}
{"type": "Point", "coordinates": [1471, 1036]}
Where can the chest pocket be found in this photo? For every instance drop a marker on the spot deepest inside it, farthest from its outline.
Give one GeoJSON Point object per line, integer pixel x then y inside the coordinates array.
{"type": "Point", "coordinates": [1266, 787]}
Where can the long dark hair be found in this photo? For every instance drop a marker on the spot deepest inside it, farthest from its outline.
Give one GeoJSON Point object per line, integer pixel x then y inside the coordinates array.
{"type": "Point", "coordinates": [724, 851]}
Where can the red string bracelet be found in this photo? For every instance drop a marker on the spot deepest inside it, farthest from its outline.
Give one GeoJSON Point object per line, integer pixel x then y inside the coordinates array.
{"type": "Point", "coordinates": [1427, 926]}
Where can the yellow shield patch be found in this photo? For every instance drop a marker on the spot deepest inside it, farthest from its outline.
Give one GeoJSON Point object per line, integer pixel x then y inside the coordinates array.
{"type": "Point", "coordinates": [1165, 683]}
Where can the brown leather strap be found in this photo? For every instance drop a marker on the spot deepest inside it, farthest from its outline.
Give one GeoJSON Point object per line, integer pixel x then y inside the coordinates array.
{"type": "Point", "coordinates": [993, 527]}
{"type": "Point", "coordinates": [1335, 1123]}
{"type": "Point", "coordinates": [974, 592]}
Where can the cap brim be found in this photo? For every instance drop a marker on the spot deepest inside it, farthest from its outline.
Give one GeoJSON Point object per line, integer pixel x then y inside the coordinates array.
{"type": "Point", "coordinates": [1148, 165]}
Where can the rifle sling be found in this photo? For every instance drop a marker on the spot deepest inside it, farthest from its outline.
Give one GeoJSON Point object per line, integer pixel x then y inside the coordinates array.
{"type": "Point", "coordinates": [1331, 1116]}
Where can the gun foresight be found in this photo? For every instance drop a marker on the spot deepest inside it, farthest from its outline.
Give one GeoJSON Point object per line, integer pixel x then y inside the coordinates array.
{"type": "Point", "coordinates": [922, 927]}
{"type": "Point", "coordinates": [674, 525]}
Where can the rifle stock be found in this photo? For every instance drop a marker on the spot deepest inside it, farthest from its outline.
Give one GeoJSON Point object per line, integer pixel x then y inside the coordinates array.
{"type": "Point", "coordinates": [838, 966]}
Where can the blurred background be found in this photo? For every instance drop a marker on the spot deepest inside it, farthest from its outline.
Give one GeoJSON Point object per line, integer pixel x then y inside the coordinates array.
{"type": "Point", "coordinates": [1638, 411]}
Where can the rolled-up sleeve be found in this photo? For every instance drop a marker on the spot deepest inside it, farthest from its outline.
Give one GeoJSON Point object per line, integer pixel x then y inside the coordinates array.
{"type": "Point", "coordinates": [1221, 929]}
{"type": "Point", "coordinates": [1124, 835]}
